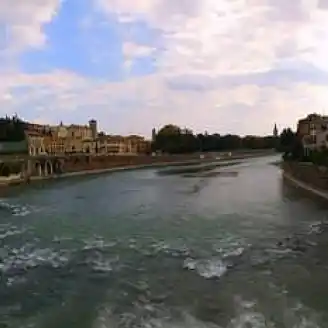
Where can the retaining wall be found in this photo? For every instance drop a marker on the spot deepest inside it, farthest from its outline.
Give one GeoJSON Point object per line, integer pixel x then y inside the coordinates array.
{"type": "Point", "coordinates": [315, 176]}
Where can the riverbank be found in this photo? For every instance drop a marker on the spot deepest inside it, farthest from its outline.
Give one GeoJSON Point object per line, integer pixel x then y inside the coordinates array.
{"type": "Point", "coordinates": [199, 161]}
{"type": "Point", "coordinates": [92, 166]}
{"type": "Point", "coordinates": [309, 177]}
{"type": "Point", "coordinates": [111, 169]}
{"type": "Point", "coordinates": [321, 193]}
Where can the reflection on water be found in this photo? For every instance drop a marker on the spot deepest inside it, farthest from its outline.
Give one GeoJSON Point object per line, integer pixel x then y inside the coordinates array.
{"type": "Point", "coordinates": [139, 249]}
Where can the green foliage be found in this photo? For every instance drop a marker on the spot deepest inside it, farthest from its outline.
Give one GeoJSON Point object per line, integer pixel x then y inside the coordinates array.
{"type": "Point", "coordinates": [291, 145]}
{"type": "Point", "coordinates": [293, 149]}
{"type": "Point", "coordinates": [12, 129]}
{"type": "Point", "coordinates": [319, 157]}
{"type": "Point", "coordinates": [173, 139]}
{"type": "Point", "coordinates": [286, 141]}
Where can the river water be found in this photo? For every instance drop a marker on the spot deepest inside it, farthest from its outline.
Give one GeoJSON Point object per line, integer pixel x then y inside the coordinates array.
{"type": "Point", "coordinates": [143, 249]}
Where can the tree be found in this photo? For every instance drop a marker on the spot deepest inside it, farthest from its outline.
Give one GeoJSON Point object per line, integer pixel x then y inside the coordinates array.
{"type": "Point", "coordinates": [291, 144]}
{"type": "Point", "coordinates": [168, 139]}
{"type": "Point", "coordinates": [173, 139]}
{"type": "Point", "coordinates": [12, 129]}
{"type": "Point", "coordinates": [286, 140]}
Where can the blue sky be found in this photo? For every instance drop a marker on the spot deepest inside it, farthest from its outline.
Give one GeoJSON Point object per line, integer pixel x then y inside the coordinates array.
{"type": "Point", "coordinates": [222, 66]}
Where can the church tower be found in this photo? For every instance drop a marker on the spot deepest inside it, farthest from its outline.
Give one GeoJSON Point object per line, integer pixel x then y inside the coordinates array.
{"type": "Point", "coordinates": [153, 134]}
{"type": "Point", "coordinates": [94, 128]}
{"type": "Point", "coordinates": [275, 131]}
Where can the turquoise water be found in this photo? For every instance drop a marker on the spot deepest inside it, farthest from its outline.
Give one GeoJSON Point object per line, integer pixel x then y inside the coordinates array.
{"type": "Point", "coordinates": [143, 249]}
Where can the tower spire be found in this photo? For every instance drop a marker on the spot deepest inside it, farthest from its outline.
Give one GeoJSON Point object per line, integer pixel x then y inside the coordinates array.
{"type": "Point", "coordinates": [275, 131]}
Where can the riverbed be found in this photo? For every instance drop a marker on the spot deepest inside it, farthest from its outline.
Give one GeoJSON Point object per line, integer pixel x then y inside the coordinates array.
{"type": "Point", "coordinates": [145, 249]}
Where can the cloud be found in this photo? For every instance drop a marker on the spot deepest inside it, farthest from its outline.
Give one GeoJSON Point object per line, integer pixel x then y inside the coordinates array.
{"type": "Point", "coordinates": [23, 22]}
{"type": "Point", "coordinates": [224, 66]}
{"type": "Point", "coordinates": [227, 37]}
{"type": "Point", "coordinates": [132, 51]}
{"type": "Point", "coordinates": [138, 104]}
{"type": "Point", "coordinates": [267, 55]}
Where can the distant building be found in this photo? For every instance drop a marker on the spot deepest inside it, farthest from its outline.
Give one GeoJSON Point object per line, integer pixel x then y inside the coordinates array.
{"type": "Point", "coordinates": [120, 145]}
{"type": "Point", "coordinates": [313, 131]}
{"type": "Point", "coordinates": [36, 145]}
{"type": "Point", "coordinates": [153, 134]}
{"type": "Point", "coordinates": [111, 145]}
{"type": "Point", "coordinates": [275, 131]}
{"type": "Point", "coordinates": [40, 128]}
{"type": "Point", "coordinates": [94, 128]}
{"type": "Point", "coordinates": [311, 124]}
{"type": "Point", "coordinates": [66, 139]}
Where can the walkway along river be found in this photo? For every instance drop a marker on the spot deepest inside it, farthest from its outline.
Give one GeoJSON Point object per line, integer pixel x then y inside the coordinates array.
{"type": "Point", "coordinates": [142, 249]}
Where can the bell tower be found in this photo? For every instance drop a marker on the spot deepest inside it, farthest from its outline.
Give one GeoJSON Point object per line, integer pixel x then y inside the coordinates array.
{"type": "Point", "coordinates": [275, 131]}
{"type": "Point", "coordinates": [94, 128]}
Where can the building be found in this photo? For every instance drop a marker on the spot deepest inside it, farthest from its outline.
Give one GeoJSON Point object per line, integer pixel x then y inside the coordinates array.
{"type": "Point", "coordinates": [313, 131]}
{"type": "Point", "coordinates": [73, 131]}
{"type": "Point", "coordinates": [318, 141]}
{"type": "Point", "coordinates": [94, 129]}
{"type": "Point", "coordinates": [53, 145]}
{"type": "Point", "coordinates": [36, 145]}
{"type": "Point", "coordinates": [312, 123]}
{"type": "Point", "coordinates": [119, 145]}
{"type": "Point", "coordinates": [138, 145]}
{"type": "Point", "coordinates": [40, 128]}
{"type": "Point", "coordinates": [70, 139]}
{"type": "Point", "coordinates": [111, 145]}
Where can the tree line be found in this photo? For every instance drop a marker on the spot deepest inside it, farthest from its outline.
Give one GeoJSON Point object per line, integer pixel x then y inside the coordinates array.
{"type": "Point", "coordinates": [173, 140]}
{"type": "Point", "coordinates": [12, 129]}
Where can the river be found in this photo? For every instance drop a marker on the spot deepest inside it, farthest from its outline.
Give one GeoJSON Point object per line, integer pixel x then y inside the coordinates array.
{"type": "Point", "coordinates": [143, 249]}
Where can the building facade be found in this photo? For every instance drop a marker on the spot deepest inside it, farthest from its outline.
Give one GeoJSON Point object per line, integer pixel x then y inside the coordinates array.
{"type": "Point", "coordinates": [74, 139]}
{"type": "Point", "coordinates": [313, 131]}
{"type": "Point", "coordinates": [36, 145]}
{"type": "Point", "coordinates": [311, 124]}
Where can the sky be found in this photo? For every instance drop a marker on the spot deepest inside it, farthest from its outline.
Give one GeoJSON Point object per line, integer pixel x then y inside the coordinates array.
{"type": "Point", "coordinates": [223, 66]}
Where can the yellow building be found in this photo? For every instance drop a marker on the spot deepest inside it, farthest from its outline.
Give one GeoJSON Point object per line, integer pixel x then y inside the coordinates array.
{"type": "Point", "coordinates": [36, 144]}
{"type": "Point", "coordinates": [53, 145]}
{"type": "Point", "coordinates": [68, 139]}
{"type": "Point", "coordinates": [119, 145]}
{"type": "Point", "coordinates": [91, 146]}
{"type": "Point", "coordinates": [138, 145]}
{"type": "Point", "coordinates": [74, 138]}
{"type": "Point", "coordinates": [144, 147]}
{"type": "Point", "coordinates": [112, 145]}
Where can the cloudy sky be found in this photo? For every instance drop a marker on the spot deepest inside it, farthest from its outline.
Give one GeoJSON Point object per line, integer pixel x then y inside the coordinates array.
{"type": "Point", "coordinates": [226, 66]}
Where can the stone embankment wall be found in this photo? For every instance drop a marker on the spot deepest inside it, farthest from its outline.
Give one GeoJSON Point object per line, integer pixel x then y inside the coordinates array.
{"type": "Point", "coordinates": [314, 176]}
{"type": "Point", "coordinates": [95, 163]}
{"type": "Point", "coordinates": [86, 163]}
{"type": "Point", "coordinates": [45, 167]}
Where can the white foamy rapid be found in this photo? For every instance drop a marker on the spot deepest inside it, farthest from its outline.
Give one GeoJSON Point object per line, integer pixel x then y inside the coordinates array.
{"type": "Point", "coordinates": [248, 315]}
{"type": "Point", "coordinates": [210, 268]}
{"type": "Point", "coordinates": [17, 209]}
{"type": "Point", "coordinates": [147, 316]}
{"type": "Point", "coordinates": [11, 231]}
{"type": "Point", "coordinates": [97, 243]}
{"type": "Point", "coordinates": [24, 259]}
